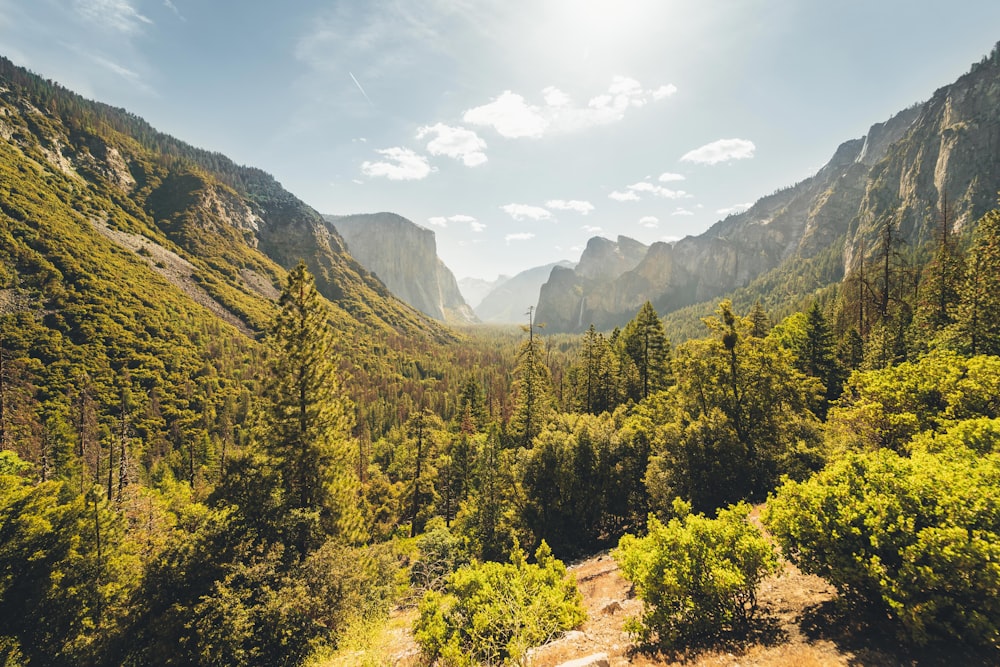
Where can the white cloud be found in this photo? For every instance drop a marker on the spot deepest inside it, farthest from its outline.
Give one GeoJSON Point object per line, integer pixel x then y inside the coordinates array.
{"type": "Point", "coordinates": [664, 91]}
{"type": "Point", "coordinates": [477, 226]}
{"type": "Point", "coordinates": [455, 142]}
{"type": "Point", "coordinates": [722, 150]}
{"type": "Point", "coordinates": [438, 221]}
{"type": "Point", "coordinates": [634, 192]}
{"type": "Point", "coordinates": [118, 15]}
{"type": "Point", "coordinates": [590, 229]}
{"type": "Point", "coordinates": [442, 221]}
{"type": "Point", "coordinates": [667, 177]}
{"type": "Point", "coordinates": [509, 115]}
{"type": "Point", "coordinates": [520, 236]}
{"type": "Point", "coordinates": [649, 222]}
{"type": "Point", "coordinates": [512, 116]}
{"type": "Point", "coordinates": [627, 195]}
{"type": "Point", "coordinates": [461, 218]}
{"type": "Point", "coordinates": [526, 212]}
{"type": "Point", "coordinates": [738, 208]}
{"type": "Point", "coordinates": [555, 97]}
{"type": "Point", "coordinates": [581, 207]}
{"type": "Point", "coordinates": [401, 164]}
{"type": "Point", "coordinates": [682, 211]}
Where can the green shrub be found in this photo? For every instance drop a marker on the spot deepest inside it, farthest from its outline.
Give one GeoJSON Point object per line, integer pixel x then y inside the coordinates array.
{"type": "Point", "coordinates": [918, 538]}
{"type": "Point", "coordinates": [697, 576]}
{"type": "Point", "coordinates": [492, 613]}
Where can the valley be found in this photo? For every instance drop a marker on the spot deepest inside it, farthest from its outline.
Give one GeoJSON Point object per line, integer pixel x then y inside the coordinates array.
{"type": "Point", "coordinates": [236, 431]}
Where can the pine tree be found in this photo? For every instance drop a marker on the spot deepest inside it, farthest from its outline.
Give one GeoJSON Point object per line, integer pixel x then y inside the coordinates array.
{"type": "Point", "coordinates": [533, 403]}
{"type": "Point", "coordinates": [646, 344]}
{"type": "Point", "coordinates": [307, 421]}
{"type": "Point", "coordinates": [817, 357]}
{"type": "Point", "coordinates": [760, 323]}
{"type": "Point", "coordinates": [978, 321]}
{"type": "Point", "coordinates": [940, 282]}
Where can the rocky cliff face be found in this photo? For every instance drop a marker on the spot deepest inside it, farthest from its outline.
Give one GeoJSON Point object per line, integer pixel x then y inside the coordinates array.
{"type": "Point", "coordinates": [404, 257]}
{"type": "Point", "coordinates": [474, 290]}
{"type": "Point", "coordinates": [904, 169]}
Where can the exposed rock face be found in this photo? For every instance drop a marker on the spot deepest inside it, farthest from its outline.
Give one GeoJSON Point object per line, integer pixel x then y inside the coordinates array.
{"type": "Point", "coordinates": [509, 301]}
{"type": "Point", "coordinates": [404, 256]}
{"type": "Point", "coordinates": [947, 149]}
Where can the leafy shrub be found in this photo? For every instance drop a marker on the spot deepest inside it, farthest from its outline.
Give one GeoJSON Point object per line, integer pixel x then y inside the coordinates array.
{"type": "Point", "coordinates": [491, 613]}
{"type": "Point", "coordinates": [697, 576]}
{"type": "Point", "coordinates": [439, 553]}
{"type": "Point", "coordinates": [918, 538]}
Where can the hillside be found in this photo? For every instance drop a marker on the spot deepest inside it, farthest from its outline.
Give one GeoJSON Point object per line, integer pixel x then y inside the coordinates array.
{"type": "Point", "coordinates": [939, 154]}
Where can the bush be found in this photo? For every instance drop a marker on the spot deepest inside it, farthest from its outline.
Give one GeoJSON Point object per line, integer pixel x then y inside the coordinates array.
{"type": "Point", "coordinates": [491, 613]}
{"type": "Point", "coordinates": [697, 576]}
{"type": "Point", "coordinates": [917, 538]}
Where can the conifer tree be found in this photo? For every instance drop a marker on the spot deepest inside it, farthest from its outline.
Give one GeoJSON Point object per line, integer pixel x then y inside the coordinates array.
{"type": "Point", "coordinates": [533, 403]}
{"type": "Point", "coordinates": [646, 344]}
{"type": "Point", "coordinates": [940, 282]}
{"type": "Point", "coordinates": [817, 357]}
{"type": "Point", "coordinates": [760, 323]}
{"type": "Point", "coordinates": [307, 421]}
{"type": "Point", "coordinates": [979, 309]}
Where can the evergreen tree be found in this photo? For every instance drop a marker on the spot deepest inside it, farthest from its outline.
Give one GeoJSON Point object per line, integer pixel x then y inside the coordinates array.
{"type": "Point", "coordinates": [307, 421]}
{"type": "Point", "coordinates": [816, 357]}
{"type": "Point", "coordinates": [939, 283]}
{"type": "Point", "coordinates": [533, 403]}
{"type": "Point", "coordinates": [646, 344]}
{"type": "Point", "coordinates": [978, 322]}
{"type": "Point", "coordinates": [760, 323]}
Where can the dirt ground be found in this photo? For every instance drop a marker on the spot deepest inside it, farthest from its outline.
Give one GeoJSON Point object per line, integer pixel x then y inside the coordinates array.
{"type": "Point", "coordinates": [798, 625]}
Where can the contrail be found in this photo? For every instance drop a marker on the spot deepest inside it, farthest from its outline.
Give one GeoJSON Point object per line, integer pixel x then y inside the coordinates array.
{"type": "Point", "coordinates": [356, 83]}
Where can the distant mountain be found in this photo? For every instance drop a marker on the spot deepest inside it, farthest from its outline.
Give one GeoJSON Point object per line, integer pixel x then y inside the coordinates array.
{"type": "Point", "coordinates": [508, 301]}
{"type": "Point", "coordinates": [475, 289]}
{"type": "Point", "coordinates": [404, 256]}
{"type": "Point", "coordinates": [809, 235]}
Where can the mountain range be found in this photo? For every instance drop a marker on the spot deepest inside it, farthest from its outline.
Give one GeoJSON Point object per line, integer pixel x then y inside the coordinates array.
{"type": "Point", "coordinates": [939, 157]}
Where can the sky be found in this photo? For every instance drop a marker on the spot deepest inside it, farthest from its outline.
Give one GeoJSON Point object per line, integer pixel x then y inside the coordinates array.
{"type": "Point", "coordinates": [515, 129]}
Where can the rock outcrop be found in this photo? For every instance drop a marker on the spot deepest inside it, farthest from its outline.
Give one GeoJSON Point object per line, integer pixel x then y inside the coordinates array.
{"type": "Point", "coordinates": [404, 256]}
{"type": "Point", "coordinates": [904, 170]}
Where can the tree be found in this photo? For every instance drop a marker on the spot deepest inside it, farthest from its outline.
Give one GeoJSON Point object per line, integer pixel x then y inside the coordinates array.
{"type": "Point", "coordinates": [736, 419]}
{"type": "Point", "coordinates": [307, 421]}
{"type": "Point", "coordinates": [533, 402]}
{"type": "Point", "coordinates": [697, 576]}
{"type": "Point", "coordinates": [978, 321]}
{"type": "Point", "coordinates": [816, 357]}
{"type": "Point", "coordinates": [646, 344]}
{"type": "Point", "coordinates": [940, 282]}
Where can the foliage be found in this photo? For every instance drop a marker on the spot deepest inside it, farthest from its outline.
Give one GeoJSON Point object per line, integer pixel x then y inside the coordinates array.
{"type": "Point", "coordinates": [491, 613]}
{"type": "Point", "coordinates": [307, 423]}
{"type": "Point", "coordinates": [583, 481]}
{"type": "Point", "coordinates": [735, 420]}
{"type": "Point", "coordinates": [697, 576]}
{"type": "Point", "coordinates": [885, 408]}
{"type": "Point", "coordinates": [918, 537]}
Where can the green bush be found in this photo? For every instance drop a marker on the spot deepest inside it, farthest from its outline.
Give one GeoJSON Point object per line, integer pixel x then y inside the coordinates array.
{"type": "Point", "coordinates": [697, 576]}
{"type": "Point", "coordinates": [918, 538]}
{"type": "Point", "coordinates": [492, 613]}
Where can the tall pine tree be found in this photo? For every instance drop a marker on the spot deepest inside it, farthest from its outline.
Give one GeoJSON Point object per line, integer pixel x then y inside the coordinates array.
{"type": "Point", "coordinates": [307, 422]}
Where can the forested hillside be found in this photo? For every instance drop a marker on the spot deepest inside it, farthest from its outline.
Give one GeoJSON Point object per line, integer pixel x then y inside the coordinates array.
{"type": "Point", "coordinates": [223, 442]}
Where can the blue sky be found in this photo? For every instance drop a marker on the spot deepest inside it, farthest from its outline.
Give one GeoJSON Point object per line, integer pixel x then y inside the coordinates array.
{"type": "Point", "coordinates": [515, 129]}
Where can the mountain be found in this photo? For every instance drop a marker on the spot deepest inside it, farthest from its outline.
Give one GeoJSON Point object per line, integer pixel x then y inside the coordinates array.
{"type": "Point", "coordinates": [509, 300]}
{"type": "Point", "coordinates": [475, 289]}
{"type": "Point", "coordinates": [404, 256]}
{"type": "Point", "coordinates": [942, 153]}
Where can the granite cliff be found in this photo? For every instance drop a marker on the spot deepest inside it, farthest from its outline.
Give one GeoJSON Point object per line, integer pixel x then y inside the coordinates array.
{"type": "Point", "coordinates": [404, 257]}
{"type": "Point", "coordinates": [508, 301]}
